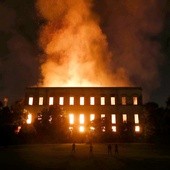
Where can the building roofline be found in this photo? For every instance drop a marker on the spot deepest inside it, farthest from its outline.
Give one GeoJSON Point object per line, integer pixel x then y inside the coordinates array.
{"type": "Point", "coordinates": [139, 88]}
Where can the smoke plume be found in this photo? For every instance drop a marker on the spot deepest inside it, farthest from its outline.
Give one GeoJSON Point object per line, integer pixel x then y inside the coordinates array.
{"type": "Point", "coordinates": [76, 49]}
{"type": "Point", "coordinates": [101, 43]}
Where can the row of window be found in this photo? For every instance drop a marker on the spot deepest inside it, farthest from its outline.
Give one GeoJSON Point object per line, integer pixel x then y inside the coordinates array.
{"type": "Point", "coordinates": [92, 117]}
{"type": "Point", "coordinates": [82, 101]}
{"type": "Point", "coordinates": [103, 128]}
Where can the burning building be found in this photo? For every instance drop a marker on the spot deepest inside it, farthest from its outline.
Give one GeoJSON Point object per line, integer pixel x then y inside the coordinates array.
{"type": "Point", "coordinates": [83, 105]}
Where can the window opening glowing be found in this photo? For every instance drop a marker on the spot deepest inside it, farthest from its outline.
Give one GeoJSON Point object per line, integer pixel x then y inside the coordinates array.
{"type": "Point", "coordinates": [92, 101]}
{"type": "Point", "coordinates": [137, 128]}
{"type": "Point", "coordinates": [113, 101]}
{"type": "Point", "coordinates": [40, 100]}
{"type": "Point", "coordinates": [29, 118]}
{"type": "Point", "coordinates": [71, 118]}
{"type": "Point", "coordinates": [124, 117]}
{"type": "Point", "coordinates": [71, 100]}
{"type": "Point", "coordinates": [113, 128]}
{"type": "Point", "coordinates": [92, 116]}
{"type": "Point", "coordinates": [102, 115]}
{"type": "Point", "coordinates": [30, 102]}
{"type": "Point", "coordinates": [103, 129]}
{"type": "Point", "coordinates": [81, 118]}
{"type": "Point", "coordinates": [61, 101]}
{"type": "Point", "coordinates": [81, 100]}
{"type": "Point", "coordinates": [113, 118]}
{"type": "Point", "coordinates": [135, 101]}
{"type": "Point", "coordinates": [51, 100]}
{"type": "Point", "coordinates": [136, 117]}
{"type": "Point", "coordinates": [102, 100]}
{"type": "Point", "coordinates": [123, 100]}
{"type": "Point", "coordinates": [81, 129]}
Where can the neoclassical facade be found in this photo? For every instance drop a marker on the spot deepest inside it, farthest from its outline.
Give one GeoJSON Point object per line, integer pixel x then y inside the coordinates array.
{"type": "Point", "coordinates": [85, 104]}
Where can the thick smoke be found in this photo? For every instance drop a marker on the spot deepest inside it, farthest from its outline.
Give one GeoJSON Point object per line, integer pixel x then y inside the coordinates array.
{"type": "Point", "coordinates": [76, 49]}
{"type": "Point", "coordinates": [133, 28]}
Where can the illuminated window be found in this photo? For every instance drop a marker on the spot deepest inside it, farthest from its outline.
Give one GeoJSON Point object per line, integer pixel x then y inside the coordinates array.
{"type": "Point", "coordinates": [92, 116]}
{"type": "Point", "coordinates": [103, 129]}
{"type": "Point", "coordinates": [102, 115]}
{"type": "Point", "coordinates": [51, 100]}
{"type": "Point", "coordinates": [40, 100]}
{"type": "Point", "coordinates": [71, 100]}
{"type": "Point", "coordinates": [137, 128]}
{"type": "Point", "coordinates": [113, 128]}
{"type": "Point", "coordinates": [81, 118]}
{"type": "Point", "coordinates": [113, 118]}
{"type": "Point", "coordinates": [113, 101]}
{"type": "Point", "coordinates": [81, 128]}
{"type": "Point", "coordinates": [135, 100]}
{"type": "Point", "coordinates": [123, 100]}
{"type": "Point", "coordinates": [30, 102]}
{"type": "Point", "coordinates": [61, 100]}
{"type": "Point", "coordinates": [136, 117]}
{"type": "Point", "coordinates": [29, 118]}
{"type": "Point", "coordinates": [92, 128]}
{"type": "Point", "coordinates": [102, 100]}
{"type": "Point", "coordinates": [92, 101]}
{"type": "Point", "coordinates": [124, 116]}
{"type": "Point", "coordinates": [71, 118]}
{"type": "Point", "coordinates": [81, 100]}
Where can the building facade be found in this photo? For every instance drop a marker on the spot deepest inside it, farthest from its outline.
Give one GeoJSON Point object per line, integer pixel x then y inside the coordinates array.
{"type": "Point", "coordinates": [83, 105]}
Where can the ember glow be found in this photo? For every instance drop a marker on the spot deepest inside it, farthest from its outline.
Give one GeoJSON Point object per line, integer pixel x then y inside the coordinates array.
{"type": "Point", "coordinates": [75, 48]}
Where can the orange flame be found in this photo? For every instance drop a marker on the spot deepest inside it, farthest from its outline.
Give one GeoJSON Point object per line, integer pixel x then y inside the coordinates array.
{"type": "Point", "coordinates": [75, 48]}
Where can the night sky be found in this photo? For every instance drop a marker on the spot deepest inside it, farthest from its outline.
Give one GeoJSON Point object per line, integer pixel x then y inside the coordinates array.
{"type": "Point", "coordinates": [120, 20]}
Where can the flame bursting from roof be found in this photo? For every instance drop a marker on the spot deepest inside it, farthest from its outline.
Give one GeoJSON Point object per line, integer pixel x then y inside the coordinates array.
{"type": "Point", "coordinates": [75, 48]}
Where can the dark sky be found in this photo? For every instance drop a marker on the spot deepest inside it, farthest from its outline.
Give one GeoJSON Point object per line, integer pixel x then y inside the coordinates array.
{"type": "Point", "coordinates": [19, 51]}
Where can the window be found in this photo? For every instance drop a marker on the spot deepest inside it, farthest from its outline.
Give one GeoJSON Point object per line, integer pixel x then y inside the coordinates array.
{"type": "Point", "coordinates": [123, 100]}
{"type": "Point", "coordinates": [81, 128]}
{"type": "Point", "coordinates": [29, 119]}
{"type": "Point", "coordinates": [135, 100]}
{"type": "Point", "coordinates": [113, 101]}
{"type": "Point", "coordinates": [103, 129]}
{"type": "Point", "coordinates": [136, 117]}
{"type": "Point", "coordinates": [102, 100]}
{"type": "Point", "coordinates": [81, 100]}
{"type": "Point", "coordinates": [113, 118]}
{"type": "Point", "coordinates": [92, 101]}
{"type": "Point", "coordinates": [61, 100]}
{"type": "Point", "coordinates": [40, 100]}
{"type": "Point", "coordinates": [124, 116]}
{"type": "Point", "coordinates": [81, 118]}
{"type": "Point", "coordinates": [92, 116]}
{"type": "Point", "coordinates": [137, 128]}
{"type": "Point", "coordinates": [102, 115]}
{"type": "Point", "coordinates": [30, 102]}
{"type": "Point", "coordinates": [51, 100]}
{"type": "Point", "coordinates": [113, 128]}
{"type": "Point", "coordinates": [71, 100]}
{"type": "Point", "coordinates": [71, 118]}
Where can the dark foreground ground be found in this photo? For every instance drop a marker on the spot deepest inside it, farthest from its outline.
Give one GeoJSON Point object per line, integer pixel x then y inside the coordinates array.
{"type": "Point", "coordinates": [59, 157]}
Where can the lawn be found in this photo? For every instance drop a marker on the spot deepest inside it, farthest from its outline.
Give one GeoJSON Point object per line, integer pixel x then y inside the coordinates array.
{"type": "Point", "coordinates": [59, 157]}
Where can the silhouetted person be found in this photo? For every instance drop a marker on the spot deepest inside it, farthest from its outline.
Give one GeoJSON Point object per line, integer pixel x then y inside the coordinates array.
{"type": "Point", "coordinates": [91, 148]}
{"type": "Point", "coordinates": [109, 147]}
{"type": "Point", "coordinates": [73, 148]}
{"type": "Point", "coordinates": [116, 149]}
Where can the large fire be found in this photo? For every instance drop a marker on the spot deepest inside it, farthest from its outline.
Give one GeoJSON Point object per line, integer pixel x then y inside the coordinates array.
{"type": "Point", "coordinates": [75, 48]}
